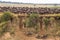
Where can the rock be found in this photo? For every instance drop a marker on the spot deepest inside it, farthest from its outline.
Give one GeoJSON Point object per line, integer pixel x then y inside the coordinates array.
{"type": "Point", "coordinates": [29, 33]}
{"type": "Point", "coordinates": [41, 36]}
{"type": "Point", "coordinates": [38, 37]}
{"type": "Point", "coordinates": [44, 36]}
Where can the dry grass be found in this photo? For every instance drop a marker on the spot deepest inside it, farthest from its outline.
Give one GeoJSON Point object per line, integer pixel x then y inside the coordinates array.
{"type": "Point", "coordinates": [27, 5]}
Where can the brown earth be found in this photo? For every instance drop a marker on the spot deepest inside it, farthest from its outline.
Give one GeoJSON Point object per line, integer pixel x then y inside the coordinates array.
{"type": "Point", "coordinates": [19, 35]}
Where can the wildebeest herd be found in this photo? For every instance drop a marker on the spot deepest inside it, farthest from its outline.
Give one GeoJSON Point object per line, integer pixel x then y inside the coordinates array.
{"type": "Point", "coordinates": [39, 10]}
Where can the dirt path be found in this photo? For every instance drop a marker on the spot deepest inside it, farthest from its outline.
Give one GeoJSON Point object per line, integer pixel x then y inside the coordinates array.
{"type": "Point", "coordinates": [20, 36]}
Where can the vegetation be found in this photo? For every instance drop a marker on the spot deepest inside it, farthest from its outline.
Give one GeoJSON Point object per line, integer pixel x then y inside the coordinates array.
{"type": "Point", "coordinates": [46, 22]}
{"type": "Point", "coordinates": [5, 24]}
{"type": "Point", "coordinates": [52, 26]}
{"type": "Point", "coordinates": [32, 22]}
{"type": "Point", "coordinates": [6, 17]}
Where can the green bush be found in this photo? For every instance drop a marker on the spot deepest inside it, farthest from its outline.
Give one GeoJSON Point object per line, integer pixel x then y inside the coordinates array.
{"type": "Point", "coordinates": [6, 16]}
{"type": "Point", "coordinates": [33, 20]}
{"type": "Point", "coordinates": [11, 30]}
{"type": "Point", "coordinates": [46, 22]}
{"type": "Point", "coordinates": [3, 28]}
{"type": "Point", "coordinates": [4, 25]}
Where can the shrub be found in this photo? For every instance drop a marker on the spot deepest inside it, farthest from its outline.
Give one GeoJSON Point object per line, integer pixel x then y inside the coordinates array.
{"type": "Point", "coordinates": [4, 25]}
{"type": "Point", "coordinates": [32, 21]}
{"type": "Point", "coordinates": [6, 16]}
{"type": "Point", "coordinates": [46, 22]}
{"type": "Point", "coordinates": [3, 28]}
{"type": "Point", "coordinates": [12, 30]}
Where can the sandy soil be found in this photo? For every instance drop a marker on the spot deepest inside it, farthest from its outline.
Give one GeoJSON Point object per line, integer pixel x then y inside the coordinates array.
{"type": "Point", "coordinates": [19, 35]}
